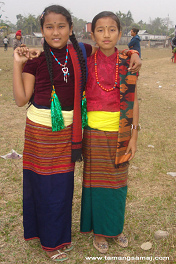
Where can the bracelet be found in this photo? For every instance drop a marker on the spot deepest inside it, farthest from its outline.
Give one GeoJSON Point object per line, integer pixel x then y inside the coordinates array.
{"type": "Point", "coordinates": [123, 51]}
{"type": "Point", "coordinates": [130, 52]}
{"type": "Point", "coordinates": [138, 127]}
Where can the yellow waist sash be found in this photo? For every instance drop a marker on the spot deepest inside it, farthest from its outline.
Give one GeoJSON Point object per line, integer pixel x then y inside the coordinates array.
{"type": "Point", "coordinates": [102, 120]}
{"type": "Point", "coordinates": [43, 116]}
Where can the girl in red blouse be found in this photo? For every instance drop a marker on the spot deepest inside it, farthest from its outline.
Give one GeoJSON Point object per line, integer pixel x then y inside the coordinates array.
{"type": "Point", "coordinates": [109, 143]}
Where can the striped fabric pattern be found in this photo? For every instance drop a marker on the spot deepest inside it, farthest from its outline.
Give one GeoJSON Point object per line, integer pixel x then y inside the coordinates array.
{"type": "Point", "coordinates": [127, 90]}
{"type": "Point", "coordinates": [46, 152]}
{"type": "Point", "coordinates": [99, 150]}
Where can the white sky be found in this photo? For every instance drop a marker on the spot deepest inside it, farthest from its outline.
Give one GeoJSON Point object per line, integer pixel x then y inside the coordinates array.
{"type": "Point", "coordinates": [87, 9]}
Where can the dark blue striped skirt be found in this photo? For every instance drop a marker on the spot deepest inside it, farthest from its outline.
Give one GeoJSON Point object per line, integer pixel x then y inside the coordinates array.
{"type": "Point", "coordinates": [48, 181]}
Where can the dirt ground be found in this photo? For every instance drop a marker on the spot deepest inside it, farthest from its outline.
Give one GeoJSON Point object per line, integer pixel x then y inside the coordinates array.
{"type": "Point", "coordinates": [151, 190]}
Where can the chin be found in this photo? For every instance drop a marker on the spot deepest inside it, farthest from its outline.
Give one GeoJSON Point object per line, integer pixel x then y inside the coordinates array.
{"type": "Point", "coordinates": [57, 46]}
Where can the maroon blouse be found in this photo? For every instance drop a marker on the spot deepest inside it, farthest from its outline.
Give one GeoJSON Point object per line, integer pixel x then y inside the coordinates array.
{"type": "Point", "coordinates": [42, 88]}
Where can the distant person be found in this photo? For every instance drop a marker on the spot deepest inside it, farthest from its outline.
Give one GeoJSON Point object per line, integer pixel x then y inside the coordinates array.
{"type": "Point", "coordinates": [135, 41]}
{"type": "Point", "coordinates": [18, 40]}
{"type": "Point", "coordinates": [173, 45]}
{"type": "Point", "coordinates": [173, 42]}
{"type": "Point", "coordinates": [5, 41]}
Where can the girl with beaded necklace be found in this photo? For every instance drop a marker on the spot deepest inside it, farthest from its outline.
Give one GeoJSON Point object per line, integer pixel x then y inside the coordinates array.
{"type": "Point", "coordinates": [53, 83]}
{"type": "Point", "coordinates": [53, 137]}
{"type": "Point", "coordinates": [109, 143]}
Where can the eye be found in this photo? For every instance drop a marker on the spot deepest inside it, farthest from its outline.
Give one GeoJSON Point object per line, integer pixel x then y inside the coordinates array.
{"type": "Point", "coordinates": [100, 30]}
{"type": "Point", "coordinates": [61, 27]}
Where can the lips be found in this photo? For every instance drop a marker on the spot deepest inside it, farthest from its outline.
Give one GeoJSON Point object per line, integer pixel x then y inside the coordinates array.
{"type": "Point", "coordinates": [56, 39]}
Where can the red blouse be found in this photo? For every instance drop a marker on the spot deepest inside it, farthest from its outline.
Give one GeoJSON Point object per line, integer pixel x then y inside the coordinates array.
{"type": "Point", "coordinates": [42, 89]}
{"type": "Point", "coordinates": [97, 98]}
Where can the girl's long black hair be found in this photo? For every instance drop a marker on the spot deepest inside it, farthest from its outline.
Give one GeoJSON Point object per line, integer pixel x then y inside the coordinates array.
{"type": "Point", "coordinates": [57, 9]}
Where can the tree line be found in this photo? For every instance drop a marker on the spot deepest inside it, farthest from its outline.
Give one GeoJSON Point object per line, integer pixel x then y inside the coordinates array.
{"type": "Point", "coordinates": [31, 23]}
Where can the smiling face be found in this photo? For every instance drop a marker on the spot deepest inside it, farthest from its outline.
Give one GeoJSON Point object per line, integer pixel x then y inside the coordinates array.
{"type": "Point", "coordinates": [106, 35]}
{"type": "Point", "coordinates": [56, 30]}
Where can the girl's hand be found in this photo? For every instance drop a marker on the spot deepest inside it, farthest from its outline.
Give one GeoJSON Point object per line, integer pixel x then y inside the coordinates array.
{"type": "Point", "coordinates": [135, 63]}
{"type": "Point", "coordinates": [132, 147]}
{"type": "Point", "coordinates": [34, 53]}
{"type": "Point", "coordinates": [21, 55]}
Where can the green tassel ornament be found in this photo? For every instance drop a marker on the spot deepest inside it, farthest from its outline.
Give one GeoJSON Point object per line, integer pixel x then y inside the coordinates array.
{"type": "Point", "coordinates": [56, 112]}
{"type": "Point", "coordinates": [84, 111]}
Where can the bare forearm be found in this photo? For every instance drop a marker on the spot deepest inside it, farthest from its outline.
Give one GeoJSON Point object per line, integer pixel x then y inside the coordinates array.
{"type": "Point", "coordinates": [18, 86]}
{"type": "Point", "coordinates": [135, 116]}
{"type": "Point", "coordinates": [23, 83]}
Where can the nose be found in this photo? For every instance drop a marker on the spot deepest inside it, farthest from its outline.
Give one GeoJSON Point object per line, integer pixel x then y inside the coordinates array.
{"type": "Point", "coordinates": [106, 33]}
{"type": "Point", "coordinates": [55, 31]}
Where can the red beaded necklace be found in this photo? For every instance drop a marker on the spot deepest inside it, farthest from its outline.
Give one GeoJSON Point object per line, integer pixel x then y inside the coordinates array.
{"type": "Point", "coordinates": [116, 74]}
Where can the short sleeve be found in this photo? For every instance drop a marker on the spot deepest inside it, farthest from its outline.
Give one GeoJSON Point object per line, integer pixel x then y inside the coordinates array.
{"type": "Point", "coordinates": [88, 48]}
{"type": "Point", "coordinates": [31, 66]}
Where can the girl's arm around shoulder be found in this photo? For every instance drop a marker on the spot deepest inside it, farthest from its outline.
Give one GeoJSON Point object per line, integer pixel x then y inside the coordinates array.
{"type": "Point", "coordinates": [34, 53]}
{"type": "Point", "coordinates": [135, 63]}
{"type": "Point", "coordinates": [132, 146]}
{"type": "Point", "coordinates": [90, 50]}
{"type": "Point", "coordinates": [23, 83]}
{"type": "Point", "coordinates": [135, 60]}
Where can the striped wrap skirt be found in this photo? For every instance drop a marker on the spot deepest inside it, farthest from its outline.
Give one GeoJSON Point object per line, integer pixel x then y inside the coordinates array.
{"type": "Point", "coordinates": [48, 180]}
{"type": "Point", "coordinates": [104, 186]}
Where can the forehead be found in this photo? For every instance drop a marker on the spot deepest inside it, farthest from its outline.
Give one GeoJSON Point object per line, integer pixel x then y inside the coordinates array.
{"type": "Point", "coordinates": [106, 21]}
{"type": "Point", "coordinates": [55, 18]}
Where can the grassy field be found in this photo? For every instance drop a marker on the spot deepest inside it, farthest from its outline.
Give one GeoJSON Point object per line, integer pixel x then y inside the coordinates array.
{"type": "Point", "coordinates": [151, 191]}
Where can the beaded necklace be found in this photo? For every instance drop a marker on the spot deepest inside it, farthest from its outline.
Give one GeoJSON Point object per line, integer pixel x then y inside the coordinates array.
{"type": "Point", "coordinates": [116, 74]}
{"type": "Point", "coordinates": [64, 68]}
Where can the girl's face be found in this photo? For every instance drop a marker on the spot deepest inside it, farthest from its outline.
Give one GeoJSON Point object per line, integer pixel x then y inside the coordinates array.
{"type": "Point", "coordinates": [56, 30]}
{"type": "Point", "coordinates": [106, 35]}
{"type": "Point", "coordinates": [18, 37]}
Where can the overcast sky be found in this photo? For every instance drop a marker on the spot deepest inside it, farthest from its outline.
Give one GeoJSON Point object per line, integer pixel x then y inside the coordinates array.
{"type": "Point", "coordinates": [87, 9]}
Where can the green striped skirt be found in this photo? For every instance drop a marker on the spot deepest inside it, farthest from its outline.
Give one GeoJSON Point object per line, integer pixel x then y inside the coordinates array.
{"type": "Point", "coordinates": [104, 186]}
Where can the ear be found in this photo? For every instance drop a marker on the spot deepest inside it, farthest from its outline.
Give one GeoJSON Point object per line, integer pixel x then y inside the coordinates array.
{"type": "Point", "coordinates": [42, 32]}
{"type": "Point", "coordinates": [92, 36]}
{"type": "Point", "coordinates": [120, 34]}
{"type": "Point", "coordinates": [71, 30]}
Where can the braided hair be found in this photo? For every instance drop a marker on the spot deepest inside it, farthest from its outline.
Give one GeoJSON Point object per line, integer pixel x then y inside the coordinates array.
{"type": "Point", "coordinates": [57, 9]}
